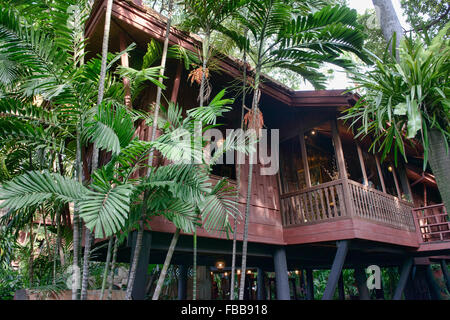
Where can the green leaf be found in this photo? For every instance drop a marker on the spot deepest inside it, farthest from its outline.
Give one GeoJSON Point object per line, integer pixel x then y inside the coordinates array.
{"type": "Point", "coordinates": [106, 212]}
{"type": "Point", "coordinates": [400, 109]}
{"type": "Point", "coordinates": [36, 187]}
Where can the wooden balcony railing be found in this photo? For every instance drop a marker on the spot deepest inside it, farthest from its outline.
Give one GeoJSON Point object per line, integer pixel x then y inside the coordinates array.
{"type": "Point", "coordinates": [433, 223]}
{"type": "Point", "coordinates": [372, 204]}
{"type": "Point", "coordinates": [314, 204]}
{"type": "Point", "coordinates": [340, 199]}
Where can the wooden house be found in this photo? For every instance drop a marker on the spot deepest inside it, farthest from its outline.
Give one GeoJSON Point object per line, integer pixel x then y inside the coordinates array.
{"type": "Point", "coordinates": [332, 204]}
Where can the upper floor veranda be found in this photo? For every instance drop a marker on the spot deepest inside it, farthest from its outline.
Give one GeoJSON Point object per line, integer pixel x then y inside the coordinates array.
{"type": "Point", "coordinates": [329, 186]}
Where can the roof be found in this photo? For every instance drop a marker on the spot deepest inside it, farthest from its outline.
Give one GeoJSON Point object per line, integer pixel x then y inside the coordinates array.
{"type": "Point", "coordinates": [154, 24]}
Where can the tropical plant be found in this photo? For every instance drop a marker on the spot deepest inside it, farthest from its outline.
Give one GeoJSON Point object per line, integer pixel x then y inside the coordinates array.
{"type": "Point", "coordinates": [49, 106]}
{"type": "Point", "coordinates": [297, 40]}
{"type": "Point", "coordinates": [409, 100]}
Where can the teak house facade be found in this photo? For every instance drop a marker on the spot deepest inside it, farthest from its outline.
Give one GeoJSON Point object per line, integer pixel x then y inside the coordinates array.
{"type": "Point", "coordinates": [332, 205]}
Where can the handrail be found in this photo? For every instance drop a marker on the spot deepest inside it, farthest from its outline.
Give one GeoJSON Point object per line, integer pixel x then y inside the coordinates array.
{"type": "Point", "coordinates": [429, 207]}
{"type": "Point", "coordinates": [432, 223]}
{"type": "Point", "coordinates": [381, 193]}
{"type": "Point", "coordinates": [313, 188]}
{"type": "Point", "coordinates": [344, 198]}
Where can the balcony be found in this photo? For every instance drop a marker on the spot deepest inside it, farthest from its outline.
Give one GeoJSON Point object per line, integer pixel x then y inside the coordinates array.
{"type": "Point", "coordinates": [433, 225]}
{"type": "Point", "coordinates": [345, 209]}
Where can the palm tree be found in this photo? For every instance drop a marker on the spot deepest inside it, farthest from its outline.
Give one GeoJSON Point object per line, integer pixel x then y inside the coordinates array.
{"type": "Point", "coordinates": [206, 16]}
{"type": "Point", "coordinates": [296, 40]}
{"type": "Point", "coordinates": [50, 65]}
{"type": "Point", "coordinates": [139, 236]}
{"type": "Point", "coordinates": [214, 205]}
{"type": "Point", "coordinates": [407, 100]}
{"type": "Point", "coordinates": [94, 161]}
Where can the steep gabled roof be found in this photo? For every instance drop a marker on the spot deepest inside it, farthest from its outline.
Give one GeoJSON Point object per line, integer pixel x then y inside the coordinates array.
{"type": "Point", "coordinates": [154, 25]}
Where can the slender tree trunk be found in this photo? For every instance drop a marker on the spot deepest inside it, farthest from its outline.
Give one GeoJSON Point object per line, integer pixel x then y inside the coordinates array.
{"type": "Point", "coordinates": [238, 177]}
{"type": "Point", "coordinates": [47, 240]}
{"type": "Point", "coordinates": [87, 251]}
{"type": "Point", "coordinates": [439, 160]}
{"type": "Point", "coordinates": [95, 152]}
{"type": "Point", "coordinates": [113, 266]}
{"type": "Point", "coordinates": [166, 265]}
{"type": "Point", "coordinates": [255, 103]}
{"type": "Point", "coordinates": [30, 260]}
{"type": "Point", "coordinates": [205, 63]}
{"type": "Point", "coordinates": [76, 223]}
{"type": "Point", "coordinates": [140, 234]}
{"type": "Point", "coordinates": [194, 269]}
{"type": "Point", "coordinates": [137, 251]}
{"type": "Point", "coordinates": [105, 273]}
{"type": "Point", "coordinates": [58, 239]}
{"type": "Point", "coordinates": [388, 21]}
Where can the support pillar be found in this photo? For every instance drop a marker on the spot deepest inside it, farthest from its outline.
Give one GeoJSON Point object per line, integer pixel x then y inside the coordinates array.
{"type": "Point", "coordinates": [182, 281]}
{"type": "Point", "coordinates": [140, 282]}
{"type": "Point", "coordinates": [341, 289]}
{"type": "Point", "coordinates": [260, 285]}
{"type": "Point", "coordinates": [361, 282]}
{"type": "Point", "coordinates": [404, 276]}
{"type": "Point", "coordinates": [309, 284]}
{"type": "Point", "coordinates": [445, 273]}
{"type": "Point", "coordinates": [435, 290]}
{"type": "Point", "coordinates": [281, 274]}
{"type": "Point", "coordinates": [336, 269]}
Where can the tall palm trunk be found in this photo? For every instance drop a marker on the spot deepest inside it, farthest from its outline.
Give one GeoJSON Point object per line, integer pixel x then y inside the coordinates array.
{"type": "Point", "coordinates": [30, 259]}
{"type": "Point", "coordinates": [194, 269]}
{"type": "Point", "coordinates": [137, 250]}
{"type": "Point", "coordinates": [439, 160]}
{"type": "Point", "coordinates": [255, 102]}
{"type": "Point", "coordinates": [113, 266]}
{"type": "Point", "coordinates": [140, 235]}
{"type": "Point", "coordinates": [247, 203]}
{"type": "Point", "coordinates": [205, 49]}
{"type": "Point", "coordinates": [76, 223]}
{"type": "Point", "coordinates": [58, 239]}
{"type": "Point", "coordinates": [162, 276]}
{"type": "Point", "coordinates": [87, 251]}
{"type": "Point", "coordinates": [238, 177]}
{"type": "Point", "coordinates": [94, 162]}
{"type": "Point", "coordinates": [107, 262]}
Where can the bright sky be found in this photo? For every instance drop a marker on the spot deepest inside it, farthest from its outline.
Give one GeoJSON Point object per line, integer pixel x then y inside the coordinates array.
{"type": "Point", "coordinates": [340, 80]}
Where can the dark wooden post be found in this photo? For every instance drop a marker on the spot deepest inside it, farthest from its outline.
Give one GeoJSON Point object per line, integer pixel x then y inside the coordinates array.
{"type": "Point", "coordinates": [281, 274]}
{"type": "Point", "coordinates": [363, 166]}
{"type": "Point", "coordinates": [304, 156]}
{"type": "Point", "coordinates": [176, 83]}
{"type": "Point", "coordinates": [397, 186]}
{"type": "Point", "coordinates": [339, 151]}
{"type": "Point", "coordinates": [182, 282]}
{"type": "Point", "coordinates": [139, 288]}
{"type": "Point", "coordinates": [425, 198]}
{"type": "Point", "coordinates": [260, 285]}
{"type": "Point", "coordinates": [445, 273]}
{"type": "Point", "coordinates": [309, 284]}
{"type": "Point", "coordinates": [341, 289]}
{"type": "Point", "coordinates": [336, 269]}
{"type": "Point", "coordinates": [404, 276]}
{"type": "Point", "coordinates": [435, 290]}
{"type": "Point", "coordinates": [361, 282]}
{"type": "Point", "coordinates": [380, 173]}
{"type": "Point", "coordinates": [294, 287]}
{"type": "Point", "coordinates": [404, 181]}
{"type": "Point", "coordinates": [125, 63]}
